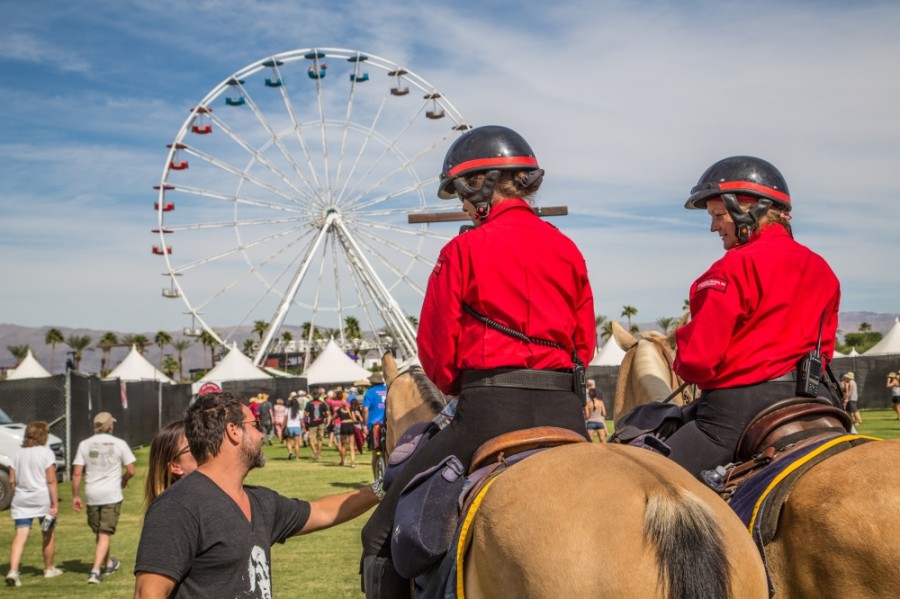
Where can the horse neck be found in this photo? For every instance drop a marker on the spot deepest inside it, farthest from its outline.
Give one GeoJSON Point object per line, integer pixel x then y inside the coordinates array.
{"type": "Point", "coordinates": [405, 406]}
{"type": "Point", "coordinates": [645, 376]}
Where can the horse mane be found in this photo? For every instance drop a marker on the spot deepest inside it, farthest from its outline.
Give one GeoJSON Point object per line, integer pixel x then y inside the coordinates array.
{"type": "Point", "coordinates": [430, 394]}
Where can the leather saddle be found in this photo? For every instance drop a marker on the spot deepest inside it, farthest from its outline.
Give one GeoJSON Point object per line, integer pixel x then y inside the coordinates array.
{"type": "Point", "coordinates": [789, 419]}
{"type": "Point", "coordinates": [778, 432]}
{"type": "Point", "coordinates": [509, 444]}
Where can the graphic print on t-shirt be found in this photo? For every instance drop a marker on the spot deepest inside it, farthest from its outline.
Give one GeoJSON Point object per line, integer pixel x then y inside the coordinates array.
{"type": "Point", "coordinates": [258, 570]}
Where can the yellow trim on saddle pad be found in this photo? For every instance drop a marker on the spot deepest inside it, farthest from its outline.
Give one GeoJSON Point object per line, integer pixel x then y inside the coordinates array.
{"type": "Point", "coordinates": [464, 540]}
{"type": "Point", "coordinates": [787, 471]}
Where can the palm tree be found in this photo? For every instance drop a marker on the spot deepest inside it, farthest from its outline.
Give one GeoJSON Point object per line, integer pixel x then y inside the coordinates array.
{"type": "Point", "coordinates": [351, 327]}
{"type": "Point", "coordinates": [248, 347]}
{"type": "Point", "coordinates": [180, 346]}
{"type": "Point", "coordinates": [865, 328]}
{"type": "Point", "coordinates": [207, 340]}
{"type": "Point", "coordinates": [139, 341]}
{"type": "Point", "coordinates": [413, 321]}
{"type": "Point", "coordinates": [286, 338]}
{"type": "Point", "coordinates": [598, 323]}
{"type": "Point", "coordinates": [606, 333]}
{"type": "Point", "coordinates": [162, 339]}
{"type": "Point", "coordinates": [78, 344]}
{"type": "Point", "coordinates": [628, 312]}
{"type": "Point", "coordinates": [106, 343]}
{"type": "Point", "coordinates": [19, 352]}
{"type": "Point", "coordinates": [259, 327]}
{"type": "Point", "coordinates": [665, 323]}
{"type": "Point", "coordinates": [169, 366]}
{"type": "Point", "coordinates": [53, 337]}
{"type": "Point", "coordinates": [686, 305]}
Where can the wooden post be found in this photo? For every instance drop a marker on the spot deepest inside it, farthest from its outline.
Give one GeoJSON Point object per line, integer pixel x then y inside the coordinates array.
{"type": "Point", "coordinates": [447, 217]}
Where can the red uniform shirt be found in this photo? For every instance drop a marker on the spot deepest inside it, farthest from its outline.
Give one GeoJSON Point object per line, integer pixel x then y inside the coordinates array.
{"type": "Point", "coordinates": [756, 312]}
{"type": "Point", "coordinates": [519, 271]}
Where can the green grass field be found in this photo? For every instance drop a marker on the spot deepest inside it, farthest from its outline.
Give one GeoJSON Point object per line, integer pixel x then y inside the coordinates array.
{"type": "Point", "coordinates": [318, 566]}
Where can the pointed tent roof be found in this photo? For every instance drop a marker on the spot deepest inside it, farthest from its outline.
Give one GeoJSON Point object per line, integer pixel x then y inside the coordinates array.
{"type": "Point", "coordinates": [136, 367]}
{"type": "Point", "coordinates": [30, 368]}
{"type": "Point", "coordinates": [235, 366]}
{"type": "Point", "coordinates": [889, 344]}
{"type": "Point", "coordinates": [334, 366]}
{"type": "Point", "coordinates": [609, 355]}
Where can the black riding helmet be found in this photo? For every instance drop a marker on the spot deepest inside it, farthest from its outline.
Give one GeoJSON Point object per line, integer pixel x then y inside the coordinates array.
{"type": "Point", "coordinates": [489, 149]}
{"type": "Point", "coordinates": [744, 176]}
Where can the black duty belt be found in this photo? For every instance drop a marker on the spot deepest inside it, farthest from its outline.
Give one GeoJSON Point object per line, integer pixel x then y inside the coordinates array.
{"type": "Point", "coordinates": [518, 378]}
{"type": "Point", "coordinates": [790, 377]}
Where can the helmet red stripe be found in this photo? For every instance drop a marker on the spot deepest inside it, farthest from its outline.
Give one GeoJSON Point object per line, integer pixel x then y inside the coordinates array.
{"type": "Point", "coordinates": [779, 195]}
{"type": "Point", "coordinates": [486, 163]}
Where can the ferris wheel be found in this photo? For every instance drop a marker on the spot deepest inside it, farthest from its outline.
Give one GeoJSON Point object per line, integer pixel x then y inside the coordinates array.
{"type": "Point", "coordinates": [287, 192]}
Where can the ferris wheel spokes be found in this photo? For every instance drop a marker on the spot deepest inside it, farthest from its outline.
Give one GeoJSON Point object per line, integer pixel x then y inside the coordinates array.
{"type": "Point", "coordinates": [288, 297]}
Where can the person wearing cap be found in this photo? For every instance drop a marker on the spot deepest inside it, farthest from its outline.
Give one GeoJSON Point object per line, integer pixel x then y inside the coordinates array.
{"type": "Point", "coordinates": [100, 460]}
{"type": "Point", "coordinates": [508, 313]}
{"type": "Point", "coordinates": [893, 383]}
{"type": "Point", "coordinates": [755, 314]}
{"type": "Point", "coordinates": [851, 397]}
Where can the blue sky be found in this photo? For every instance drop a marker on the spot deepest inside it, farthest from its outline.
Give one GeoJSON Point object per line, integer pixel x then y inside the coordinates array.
{"type": "Point", "coordinates": [625, 104]}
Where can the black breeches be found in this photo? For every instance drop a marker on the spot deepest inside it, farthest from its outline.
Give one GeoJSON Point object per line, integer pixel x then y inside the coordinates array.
{"type": "Point", "coordinates": [721, 417]}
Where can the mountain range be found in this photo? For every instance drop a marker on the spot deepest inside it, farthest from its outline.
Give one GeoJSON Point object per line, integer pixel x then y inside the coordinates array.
{"type": "Point", "coordinates": [197, 356]}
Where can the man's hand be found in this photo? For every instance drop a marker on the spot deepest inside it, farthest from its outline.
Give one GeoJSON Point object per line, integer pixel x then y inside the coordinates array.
{"type": "Point", "coordinates": [76, 503]}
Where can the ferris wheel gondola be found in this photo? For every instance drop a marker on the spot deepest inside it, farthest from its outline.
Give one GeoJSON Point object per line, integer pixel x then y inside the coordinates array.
{"type": "Point", "coordinates": [293, 179]}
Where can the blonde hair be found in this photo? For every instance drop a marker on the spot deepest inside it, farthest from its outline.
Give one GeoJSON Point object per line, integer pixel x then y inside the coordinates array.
{"type": "Point", "coordinates": [510, 185]}
{"type": "Point", "coordinates": [773, 216]}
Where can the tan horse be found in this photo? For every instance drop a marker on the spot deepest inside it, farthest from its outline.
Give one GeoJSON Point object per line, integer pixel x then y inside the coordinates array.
{"type": "Point", "coordinates": [839, 531]}
{"type": "Point", "coordinates": [589, 520]}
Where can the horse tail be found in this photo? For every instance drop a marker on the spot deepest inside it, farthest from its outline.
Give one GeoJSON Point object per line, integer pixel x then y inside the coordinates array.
{"type": "Point", "coordinates": [691, 555]}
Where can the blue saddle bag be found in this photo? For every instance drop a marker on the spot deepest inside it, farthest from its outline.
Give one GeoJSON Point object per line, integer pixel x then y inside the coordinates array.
{"type": "Point", "coordinates": [427, 517]}
{"type": "Point", "coordinates": [408, 444]}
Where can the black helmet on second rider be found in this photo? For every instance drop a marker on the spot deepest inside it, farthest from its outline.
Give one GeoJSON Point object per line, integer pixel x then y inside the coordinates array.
{"type": "Point", "coordinates": [489, 150]}
{"type": "Point", "coordinates": [742, 176]}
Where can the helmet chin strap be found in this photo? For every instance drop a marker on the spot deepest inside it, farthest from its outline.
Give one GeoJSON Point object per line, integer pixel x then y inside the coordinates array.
{"type": "Point", "coordinates": [481, 197]}
{"type": "Point", "coordinates": [745, 223]}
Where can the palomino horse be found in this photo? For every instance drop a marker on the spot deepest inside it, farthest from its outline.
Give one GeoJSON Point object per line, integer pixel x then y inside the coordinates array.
{"type": "Point", "coordinates": [586, 520]}
{"type": "Point", "coordinates": [839, 530]}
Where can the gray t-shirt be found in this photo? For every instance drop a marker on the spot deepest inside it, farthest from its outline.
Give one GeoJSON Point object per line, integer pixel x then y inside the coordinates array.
{"type": "Point", "coordinates": [197, 535]}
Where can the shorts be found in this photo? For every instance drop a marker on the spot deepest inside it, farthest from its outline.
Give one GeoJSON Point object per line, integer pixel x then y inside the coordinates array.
{"type": "Point", "coordinates": [853, 407]}
{"type": "Point", "coordinates": [293, 431]}
{"type": "Point", "coordinates": [895, 399]}
{"type": "Point", "coordinates": [26, 522]}
{"type": "Point", "coordinates": [347, 429]}
{"type": "Point", "coordinates": [104, 518]}
{"type": "Point", "coordinates": [316, 432]}
{"type": "Point", "coordinates": [595, 426]}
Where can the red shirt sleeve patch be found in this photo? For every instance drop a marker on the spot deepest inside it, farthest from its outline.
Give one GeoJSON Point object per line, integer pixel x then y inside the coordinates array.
{"type": "Point", "coordinates": [713, 283]}
{"type": "Point", "coordinates": [437, 266]}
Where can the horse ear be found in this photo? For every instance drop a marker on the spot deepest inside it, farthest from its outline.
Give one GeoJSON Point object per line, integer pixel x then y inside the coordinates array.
{"type": "Point", "coordinates": [388, 368]}
{"type": "Point", "coordinates": [623, 338]}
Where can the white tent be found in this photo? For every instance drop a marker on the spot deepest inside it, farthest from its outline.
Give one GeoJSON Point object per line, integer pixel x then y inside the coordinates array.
{"type": "Point", "coordinates": [889, 344]}
{"type": "Point", "coordinates": [30, 368]}
{"type": "Point", "coordinates": [235, 366]}
{"type": "Point", "coordinates": [609, 355]}
{"type": "Point", "coordinates": [136, 367]}
{"type": "Point", "coordinates": [334, 366]}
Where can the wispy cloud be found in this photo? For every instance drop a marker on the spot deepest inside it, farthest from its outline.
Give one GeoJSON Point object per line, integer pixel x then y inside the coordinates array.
{"type": "Point", "coordinates": [625, 104]}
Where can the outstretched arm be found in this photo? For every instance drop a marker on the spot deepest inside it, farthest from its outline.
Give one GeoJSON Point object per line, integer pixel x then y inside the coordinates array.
{"type": "Point", "coordinates": [336, 509]}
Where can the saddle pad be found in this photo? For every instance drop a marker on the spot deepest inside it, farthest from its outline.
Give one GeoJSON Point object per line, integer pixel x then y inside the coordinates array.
{"type": "Point", "coordinates": [447, 581]}
{"type": "Point", "coordinates": [758, 502]}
